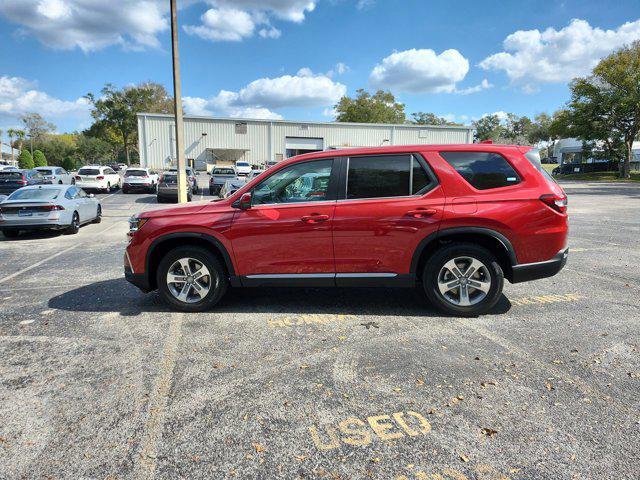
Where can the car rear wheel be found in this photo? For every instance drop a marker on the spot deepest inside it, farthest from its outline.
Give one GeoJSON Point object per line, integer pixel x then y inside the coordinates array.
{"type": "Point", "coordinates": [108, 190]}
{"type": "Point", "coordinates": [74, 227]}
{"type": "Point", "coordinates": [463, 279]}
{"type": "Point", "coordinates": [191, 279]}
{"type": "Point", "coordinates": [98, 218]}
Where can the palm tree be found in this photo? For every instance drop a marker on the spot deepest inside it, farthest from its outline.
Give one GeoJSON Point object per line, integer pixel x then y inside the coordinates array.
{"type": "Point", "coordinates": [20, 135]}
{"type": "Point", "coordinates": [12, 133]}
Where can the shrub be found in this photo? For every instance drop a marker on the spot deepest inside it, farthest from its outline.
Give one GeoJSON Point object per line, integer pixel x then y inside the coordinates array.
{"type": "Point", "coordinates": [25, 160]}
{"type": "Point", "coordinates": [39, 160]}
{"type": "Point", "coordinates": [69, 164]}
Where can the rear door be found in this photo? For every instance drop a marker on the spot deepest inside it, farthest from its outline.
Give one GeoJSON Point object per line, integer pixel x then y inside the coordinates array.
{"type": "Point", "coordinates": [389, 204]}
{"type": "Point", "coordinates": [286, 234]}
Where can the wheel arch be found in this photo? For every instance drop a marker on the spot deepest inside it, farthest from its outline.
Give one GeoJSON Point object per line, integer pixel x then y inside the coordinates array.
{"type": "Point", "coordinates": [161, 245]}
{"type": "Point", "coordinates": [490, 239]}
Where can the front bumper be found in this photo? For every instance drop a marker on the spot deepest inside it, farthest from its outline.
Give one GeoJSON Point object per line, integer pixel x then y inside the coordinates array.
{"type": "Point", "coordinates": [137, 279]}
{"type": "Point", "coordinates": [534, 271]}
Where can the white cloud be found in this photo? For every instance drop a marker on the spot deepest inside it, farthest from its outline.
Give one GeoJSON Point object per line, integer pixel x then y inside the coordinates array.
{"type": "Point", "coordinates": [365, 4]}
{"type": "Point", "coordinates": [305, 89]}
{"type": "Point", "coordinates": [19, 96]}
{"type": "Point", "coordinates": [532, 56]}
{"type": "Point", "coordinates": [484, 85]}
{"type": "Point", "coordinates": [420, 71]}
{"type": "Point", "coordinates": [225, 24]}
{"type": "Point", "coordinates": [302, 90]}
{"type": "Point", "coordinates": [235, 20]}
{"type": "Point", "coordinates": [89, 24]}
{"type": "Point", "coordinates": [339, 69]}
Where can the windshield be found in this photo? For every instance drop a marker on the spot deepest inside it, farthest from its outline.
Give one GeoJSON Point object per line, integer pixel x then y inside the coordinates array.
{"type": "Point", "coordinates": [35, 194]}
{"type": "Point", "coordinates": [45, 172]}
{"type": "Point", "coordinates": [169, 178]}
{"type": "Point", "coordinates": [88, 171]}
{"type": "Point", "coordinates": [223, 171]}
{"type": "Point", "coordinates": [135, 173]}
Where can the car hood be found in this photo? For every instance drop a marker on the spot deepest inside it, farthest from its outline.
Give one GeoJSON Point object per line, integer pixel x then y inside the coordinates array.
{"type": "Point", "coordinates": [186, 209]}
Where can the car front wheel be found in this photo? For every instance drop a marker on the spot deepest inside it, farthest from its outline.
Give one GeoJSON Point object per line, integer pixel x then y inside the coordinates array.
{"type": "Point", "coordinates": [463, 279]}
{"type": "Point", "coordinates": [191, 279]}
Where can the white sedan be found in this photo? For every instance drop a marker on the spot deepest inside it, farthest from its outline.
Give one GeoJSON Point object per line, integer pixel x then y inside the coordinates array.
{"type": "Point", "coordinates": [56, 175]}
{"type": "Point", "coordinates": [48, 207]}
{"type": "Point", "coordinates": [98, 177]}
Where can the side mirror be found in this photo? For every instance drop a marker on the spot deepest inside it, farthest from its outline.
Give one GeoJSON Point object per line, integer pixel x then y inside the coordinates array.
{"type": "Point", "coordinates": [245, 201]}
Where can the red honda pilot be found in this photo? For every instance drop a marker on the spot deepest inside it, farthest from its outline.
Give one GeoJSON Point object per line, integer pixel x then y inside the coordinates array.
{"type": "Point", "coordinates": [454, 219]}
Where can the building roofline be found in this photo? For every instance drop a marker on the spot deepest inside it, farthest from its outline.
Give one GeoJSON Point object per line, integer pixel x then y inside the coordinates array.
{"type": "Point", "coordinates": [310, 122]}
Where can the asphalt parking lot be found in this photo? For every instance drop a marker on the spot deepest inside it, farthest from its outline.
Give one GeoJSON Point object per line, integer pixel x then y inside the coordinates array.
{"type": "Point", "coordinates": [98, 380]}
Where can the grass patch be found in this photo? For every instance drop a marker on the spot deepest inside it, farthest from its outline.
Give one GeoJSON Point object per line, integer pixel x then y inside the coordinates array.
{"type": "Point", "coordinates": [549, 166]}
{"type": "Point", "coordinates": [599, 177]}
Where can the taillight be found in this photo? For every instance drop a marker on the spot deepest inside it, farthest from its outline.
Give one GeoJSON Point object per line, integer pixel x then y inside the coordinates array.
{"type": "Point", "coordinates": [53, 208]}
{"type": "Point", "coordinates": [557, 202]}
{"type": "Point", "coordinates": [23, 180]}
{"type": "Point", "coordinates": [99, 177]}
{"type": "Point", "coordinates": [78, 177]}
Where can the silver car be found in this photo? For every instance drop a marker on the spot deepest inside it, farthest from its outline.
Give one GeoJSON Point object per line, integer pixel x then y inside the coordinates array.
{"type": "Point", "coordinates": [48, 207]}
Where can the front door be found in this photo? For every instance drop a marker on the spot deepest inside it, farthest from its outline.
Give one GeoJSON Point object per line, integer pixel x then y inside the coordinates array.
{"type": "Point", "coordinates": [286, 234]}
{"type": "Point", "coordinates": [390, 204]}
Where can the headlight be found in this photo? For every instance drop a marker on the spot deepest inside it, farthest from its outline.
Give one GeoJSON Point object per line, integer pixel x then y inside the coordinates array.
{"type": "Point", "coordinates": [136, 223]}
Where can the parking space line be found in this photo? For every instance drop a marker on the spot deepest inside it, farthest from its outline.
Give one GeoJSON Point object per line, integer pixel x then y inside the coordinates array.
{"type": "Point", "coordinates": [145, 464]}
{"type": "Point", "coordinates": [51, 257]}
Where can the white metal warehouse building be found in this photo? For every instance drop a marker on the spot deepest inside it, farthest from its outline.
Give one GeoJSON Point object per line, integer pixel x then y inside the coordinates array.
{"type": "Point", "coordinates": [217, 141]}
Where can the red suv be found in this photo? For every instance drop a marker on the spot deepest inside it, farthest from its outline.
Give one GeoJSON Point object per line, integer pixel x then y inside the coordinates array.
{"type": "Point", "coordinates": [454, 219]}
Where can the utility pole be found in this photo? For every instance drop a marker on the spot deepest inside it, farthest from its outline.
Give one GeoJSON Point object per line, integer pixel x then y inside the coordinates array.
{"type": "Point", "coordinates": [177, 102]}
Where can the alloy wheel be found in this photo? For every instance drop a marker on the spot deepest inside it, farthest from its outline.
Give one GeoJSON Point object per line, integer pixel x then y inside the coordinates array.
{"type": "Point", "coordinates": [189, 280]}
{"type": "Point", "coordinates": [464, 281]}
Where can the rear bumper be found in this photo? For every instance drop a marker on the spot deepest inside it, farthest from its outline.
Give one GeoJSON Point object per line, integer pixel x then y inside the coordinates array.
{"type": "Point", "coordinates": [34, 227]}
{"type": "Point", "coordinates": [138, 279]}
{"type": "Point", "coordinates": [534, 271]}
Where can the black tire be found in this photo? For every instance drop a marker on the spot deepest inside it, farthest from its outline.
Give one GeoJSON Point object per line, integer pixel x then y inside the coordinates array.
{"type": "Point", "coordinates": [11, 233]}
{"type": "Point", "coordinates": [211, 192]}
{"type": "Point", "coordinates": [59, 182]}
{"type": "Point", "coordinates": [159, 199]}
{"type": "Point", "coordinates": [189, 197]}
{"type": "Point", "coordinates": [98, 219]}
{"type": "Point", "coordinates": [435, 264]}
{"type": "Point", "coordinates": [218, 278]}
{"type": "Point", "coordinates": [125, 190]}
{"type": "Point", "coordinates": [108, 190]}
{"type": "Point", "coordinates": [73, 181]}
{"type": "Point", "coordinates": [75, 225]}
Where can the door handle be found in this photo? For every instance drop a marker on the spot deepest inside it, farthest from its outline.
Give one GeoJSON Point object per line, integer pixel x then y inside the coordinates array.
{"type": "Point", "coordinates": [315, 218]}
{"type": "Point", "coordinates": [422, 212]}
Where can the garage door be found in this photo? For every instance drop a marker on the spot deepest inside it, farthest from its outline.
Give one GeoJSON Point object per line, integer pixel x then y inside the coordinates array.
{"type": "Point", "coordinates": [301, 143]}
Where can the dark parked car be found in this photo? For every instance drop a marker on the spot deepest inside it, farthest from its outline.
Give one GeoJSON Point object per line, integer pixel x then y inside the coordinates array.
{"type": "Point", "coordinates": [192, 176]}
{"type": "Point", "coordinates": [168, 188]}
{"type": "Point", "coordinates": [12, 180]}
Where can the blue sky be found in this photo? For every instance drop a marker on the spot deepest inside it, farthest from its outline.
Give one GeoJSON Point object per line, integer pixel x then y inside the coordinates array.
{"type": "Point", "coordinates": [294, 58]}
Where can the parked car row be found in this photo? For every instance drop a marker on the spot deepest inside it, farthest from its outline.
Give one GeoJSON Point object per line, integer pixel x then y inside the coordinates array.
{"type": "Point", "coordinates": [48, 207]}
{"type": "Point", "coordinates": [225, 181]}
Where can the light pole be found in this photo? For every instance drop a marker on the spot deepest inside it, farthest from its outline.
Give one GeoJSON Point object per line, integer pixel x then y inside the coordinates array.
{"type": "Point", "coordinates": [177, 103]}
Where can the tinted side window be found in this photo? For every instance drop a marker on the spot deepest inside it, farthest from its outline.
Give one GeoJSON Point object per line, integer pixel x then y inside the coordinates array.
{"type": "Point", "coordinates": [301, 182]}
{"type": "Point", "coordinates": [385, 176]}
{"type": "Point", "coordinates": [482, 170]}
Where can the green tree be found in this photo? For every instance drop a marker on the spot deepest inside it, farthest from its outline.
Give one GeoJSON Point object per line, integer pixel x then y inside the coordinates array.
{"type": "Point", "coordinates": [57, 147]}
{"type": "Point", "coordinates": [36, 126]}
{"type": "Point", "coordinates": [93, 150]}
{"type": "Point", "coordinates": [12, 132]}
{"type": "Point", "coordinates": [25, 160]}
{"type": "Point", "coordinates": [488, 127]}
{"type": "Point", "coordinates": [422, 118]}
{"type": "Point", "coordinates": [39, 160]}
{"type": "Point", "coordinates": [69, 164]}
{"type": "Point", "coordinates": [604, 110]}
{"type": "Point", "coordinates": [366, 108]}
{"type": "Point", "coordinates": [117, 109]}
